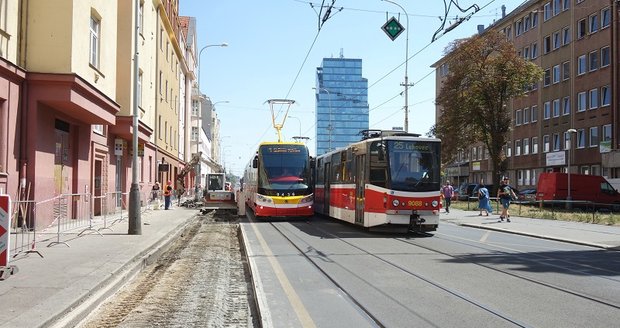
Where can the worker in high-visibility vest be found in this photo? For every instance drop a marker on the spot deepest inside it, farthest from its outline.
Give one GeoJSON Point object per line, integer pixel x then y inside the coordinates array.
{"type": "Point", "coordinates": [167, 195]}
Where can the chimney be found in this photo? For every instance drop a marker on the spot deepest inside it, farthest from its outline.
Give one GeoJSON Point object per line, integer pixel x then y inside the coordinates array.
{"type": "Point", "coordinates": [480, 29]}
{"type": "Point", "coordinates": [503, 11]}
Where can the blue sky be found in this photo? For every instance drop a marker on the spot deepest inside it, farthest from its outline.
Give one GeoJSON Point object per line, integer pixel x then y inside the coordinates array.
{"type": "Point", "coordinates": [273, 52]}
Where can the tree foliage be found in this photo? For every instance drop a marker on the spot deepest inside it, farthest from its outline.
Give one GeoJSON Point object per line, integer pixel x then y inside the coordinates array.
{"type": "Point", "coordinates": [485, 72]}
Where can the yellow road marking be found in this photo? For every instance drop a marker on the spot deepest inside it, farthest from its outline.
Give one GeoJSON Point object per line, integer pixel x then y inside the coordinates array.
{"type": "Point", "coordinates": [300, 310]}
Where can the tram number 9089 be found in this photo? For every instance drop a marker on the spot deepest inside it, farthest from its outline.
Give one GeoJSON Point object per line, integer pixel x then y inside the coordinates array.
{"type": "Point", "coordinates": [414, 203]}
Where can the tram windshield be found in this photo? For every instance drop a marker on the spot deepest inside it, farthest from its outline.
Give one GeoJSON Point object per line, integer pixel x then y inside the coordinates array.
{"type": "Point", "coordinates": [414, 165]}
{"type": "Point", "coordinates": [284, 170]}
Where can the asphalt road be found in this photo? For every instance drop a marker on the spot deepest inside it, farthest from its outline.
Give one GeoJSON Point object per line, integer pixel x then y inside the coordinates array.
{"type": "Point", "coordinates": [324, 273]}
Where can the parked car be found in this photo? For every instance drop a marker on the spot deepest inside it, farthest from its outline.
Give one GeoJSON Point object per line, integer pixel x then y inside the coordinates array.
{"type": "Point", "coordinates": [527, 195]}
{"type": "Point", "coordinates": [465, 191]}
{"type": "Point", "coordinates": [474, 192]}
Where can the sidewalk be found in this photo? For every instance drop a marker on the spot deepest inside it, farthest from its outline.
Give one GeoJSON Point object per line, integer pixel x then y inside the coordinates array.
{"type": "Point", "coordinates": [65, 285]}
{"type": "Point", "coordinates": [601, 236]}
{"type": "Point", "coordinates": [69, 281]}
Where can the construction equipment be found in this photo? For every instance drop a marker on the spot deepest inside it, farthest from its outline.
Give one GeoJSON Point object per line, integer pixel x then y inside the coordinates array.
{"type": "Point", "coordinates": [218, 195]}
{"type": "Point", "coordinates": [188, 168]}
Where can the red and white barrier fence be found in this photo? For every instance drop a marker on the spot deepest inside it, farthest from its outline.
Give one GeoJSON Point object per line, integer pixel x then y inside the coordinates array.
{"type": "Point", "coordinates": [6, 270]}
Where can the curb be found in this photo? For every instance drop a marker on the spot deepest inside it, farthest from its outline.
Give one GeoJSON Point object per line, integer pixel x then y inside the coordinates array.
{"type": "Point", "coordinates": [576, 242]}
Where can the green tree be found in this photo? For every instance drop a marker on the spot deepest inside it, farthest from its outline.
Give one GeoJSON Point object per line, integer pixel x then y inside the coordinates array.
{"type": "Point", "coordinates": [485, 72]}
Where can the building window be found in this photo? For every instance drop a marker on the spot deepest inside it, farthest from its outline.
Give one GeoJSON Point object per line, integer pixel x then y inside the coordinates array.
{"type": "Point", "coordinates": [547, 78]}
{"type": "Point", "coordinates": [566, 5]}
{"type": "Point", "coordinates": [534, 145]}
{"type": "Point", "coordinates": [566, 105]}
{"type": "Point", "coordinates": [594, 136]}
{"type": "Point", "coordinates": [95, 30]}
{"type": "Point", "coordinates": [565, 36]}
{"type": "Point", "coordinates": [534, 113]}
{"type": "Point", "coordinates": [526, 115]}
{"type": "Point", "coordinates": [195, 133]}
{"type": "Point", "coordinates": [534, 19]}
{"type": "Point", "coordinates": [526, 146]}
{"type": "Point", "coordinates": [161, 82]}
{"type": "Point", "coordinates": [547, 45]}
{"type": "Point", "coordinates": [518, 148]}
{"type": "Point", "coordinates": [556, 74]}
{"type": "Point", "coordinates": [605, 17]}
{"type": "Point", "coordinates": [557, 7]}
{"type": "Point", "coordinates": [98, 129]}
{"type": "Point", "coordinates": [195, 108]}
{"type": "Point", "coordinates": [606, 132]}
{"type": "Point", "coordinates": [566, 70]}
{"type": "Point", "coordinates": [593, 98]}
{"type": "Point", "coordinates": [556, 142]}
{"type": "Point", "coordinates": [567, 144]}
{"type": "Point", "coordinates": [3, 17]}
{"type": "Point", "coordinates": [593, 24]}
{"type": "Point", "coordinates": [545, 143]}
{"type": "Point", "coordinates": [605, 96]}
{"type": "Point", "coordinates": [581, 65]}
{"type": "Point", "coordinates": [526, 53]}
{"type": "Point", "coordinates": [581, 101]}
{"type": "Point", "coordinates": [556, 107]}
{"type": "Point", "coordinates": [581, 138]}
{"type": "Point", "coordinates": [593, 61]}
{"type": "Point", "coordinates": [605, 57]}
{"type": "Point", "coordinates": [141, 17]}
{"type": "Point", "coordinates": [547, 110]}
{"type": "Point", "coordinates": [518, 117]}
{"type": "Point", "coordinates": [547, 11]}
{"type": "Point", "coordinates": [556, 40]}
{"type": "Point", "coordinates": [534, 50]}
{"type": "Point", "coordinates": [581, 28]}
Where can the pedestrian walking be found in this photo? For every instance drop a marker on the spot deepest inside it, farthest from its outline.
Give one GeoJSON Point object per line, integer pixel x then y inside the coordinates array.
{"type": "Point", "coordinates": [448, 192]}
{"type": "Point", "coordinates": [484, 201]}
{"type": "Point", "coordinates": [155, 191]}
{"type": "Point", "coordinates": [167, 195]}
{"type": "Point", "coordinates": [505, 194]}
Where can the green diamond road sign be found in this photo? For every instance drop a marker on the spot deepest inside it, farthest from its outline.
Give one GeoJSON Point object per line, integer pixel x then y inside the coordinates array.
{"type": "Point", "coordinates": [392, 28]}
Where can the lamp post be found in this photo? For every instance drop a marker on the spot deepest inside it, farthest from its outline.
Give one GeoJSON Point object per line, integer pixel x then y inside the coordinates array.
{"type": "Point", "coordinates": [329, 127]}
{"type": "Point", "coordinates": [298, 120]}
{"type": "Point", "coordinates": [570, 149]}
{"type": "Point", "coordinates": [406, 84]}
{"type": "Point", "coordinates": [199, 122]}
{"type": "Point", "coordinates": [134, 219]}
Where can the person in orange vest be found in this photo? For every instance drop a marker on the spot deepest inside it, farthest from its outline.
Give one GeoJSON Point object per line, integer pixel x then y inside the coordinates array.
{"type": "Point", "coordinates": [167, 195]}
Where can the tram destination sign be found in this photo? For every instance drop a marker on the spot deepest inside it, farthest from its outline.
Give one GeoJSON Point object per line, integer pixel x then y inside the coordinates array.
{"type": "Point", "coordinates": [392, 28]}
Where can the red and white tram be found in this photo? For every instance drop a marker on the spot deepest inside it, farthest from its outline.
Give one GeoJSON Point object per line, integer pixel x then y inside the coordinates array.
{"type": "Point", "coordinates": [389, 181]}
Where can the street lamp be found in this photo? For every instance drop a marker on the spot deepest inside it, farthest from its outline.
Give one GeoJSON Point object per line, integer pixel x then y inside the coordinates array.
{"type": "Point", "coordinates": [298, 120]}
{"type": "Point", "coordinates": [329, 127]}
{"type": "Point", "coordinates": [570, 148]}
{"type": "Point", "coordinates": [406, 84]}
{"type": "Point", "coordinates": [134, 215]}
{"type": "Point", "coordinates": [200, 53]}
{"type": "Point", "coordinates": [199, 122]}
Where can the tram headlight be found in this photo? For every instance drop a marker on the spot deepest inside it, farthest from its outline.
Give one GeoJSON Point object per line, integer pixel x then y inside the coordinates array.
{"type": "Point", "coordinates": [395, 202]}
{"type": "Point", "coordinates": [435, 203]}
{"type": "Point", "coordinates": [264, 199]}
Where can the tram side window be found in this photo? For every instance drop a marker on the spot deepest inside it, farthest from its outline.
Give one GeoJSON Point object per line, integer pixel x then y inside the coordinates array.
{"type": "Point", "coordinates": [319, 172]}
{"type": "Point", "coordinates": [378, 166]}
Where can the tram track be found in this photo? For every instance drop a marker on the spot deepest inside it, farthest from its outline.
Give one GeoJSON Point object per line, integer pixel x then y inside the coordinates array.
{"type": "Point", "coordinates": [535, 281]}
{"type": "Point", "coordinates": [285, 233]}
{"type": "Point", "coordinates": [451, 291]}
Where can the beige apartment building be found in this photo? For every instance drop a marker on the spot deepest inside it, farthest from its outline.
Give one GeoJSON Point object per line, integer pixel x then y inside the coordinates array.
{"type": "Point", "coordinates": [67, 97]}
{"type": "Point", "coordinates": [571, 115]}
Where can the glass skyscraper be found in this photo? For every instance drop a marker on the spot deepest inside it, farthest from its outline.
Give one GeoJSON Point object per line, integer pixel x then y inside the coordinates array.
{"type": "Point", "coordinates": [341, 103]}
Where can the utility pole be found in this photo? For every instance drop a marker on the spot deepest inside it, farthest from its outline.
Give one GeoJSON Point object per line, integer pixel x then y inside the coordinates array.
{"type": "Point", "coordinates": [135, 224]}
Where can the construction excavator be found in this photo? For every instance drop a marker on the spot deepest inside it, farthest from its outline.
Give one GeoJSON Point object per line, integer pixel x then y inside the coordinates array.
{"type": "Point", "coordinates": [191, 165]}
